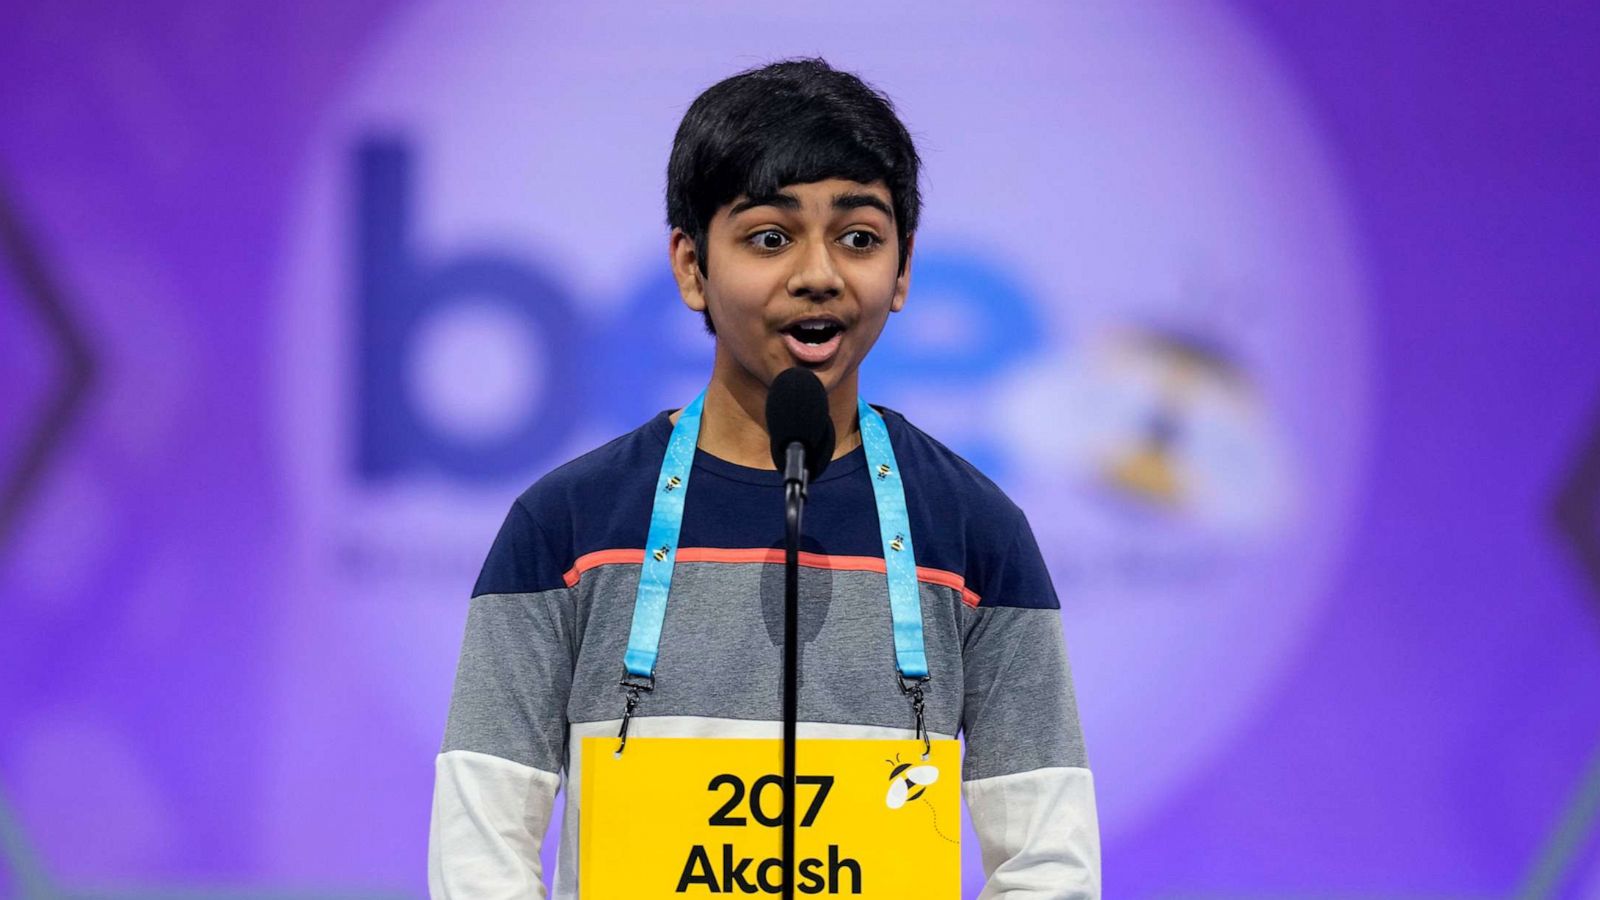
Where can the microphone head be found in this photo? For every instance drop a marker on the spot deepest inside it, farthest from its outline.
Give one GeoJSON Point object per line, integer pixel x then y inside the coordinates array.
{"type": "Point", "coordinates": [797, 410]}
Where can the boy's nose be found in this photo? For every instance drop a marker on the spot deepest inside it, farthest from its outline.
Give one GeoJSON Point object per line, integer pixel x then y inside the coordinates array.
{"type": "Point", "coordinates": [815, 276]}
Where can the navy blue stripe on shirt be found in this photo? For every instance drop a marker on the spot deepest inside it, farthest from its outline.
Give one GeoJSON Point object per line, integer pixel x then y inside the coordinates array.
{"type": "Point", "coordinates": [961, 521]}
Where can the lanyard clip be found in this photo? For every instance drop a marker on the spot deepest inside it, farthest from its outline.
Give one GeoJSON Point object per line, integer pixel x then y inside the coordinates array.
{"type": "Point", "coordinates": [633, 684]}
{"type": "Point", "coordinates": [912, 687]}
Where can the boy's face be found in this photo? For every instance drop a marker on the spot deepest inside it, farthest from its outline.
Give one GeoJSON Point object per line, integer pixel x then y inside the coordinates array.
{"type": "Point", "coordinates": [805, 277]}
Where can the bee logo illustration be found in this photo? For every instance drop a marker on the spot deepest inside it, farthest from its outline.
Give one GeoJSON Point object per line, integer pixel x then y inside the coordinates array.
{"type": "Point", "coordinates": [907, 782]}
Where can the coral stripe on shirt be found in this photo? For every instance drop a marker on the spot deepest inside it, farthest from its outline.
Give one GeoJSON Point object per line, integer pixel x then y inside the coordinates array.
{"type": "Point", "coordinates": [767, 555]}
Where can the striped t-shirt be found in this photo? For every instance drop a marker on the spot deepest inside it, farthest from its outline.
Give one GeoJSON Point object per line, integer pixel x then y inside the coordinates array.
{"type": "Point", "coordinates": [551, 611]}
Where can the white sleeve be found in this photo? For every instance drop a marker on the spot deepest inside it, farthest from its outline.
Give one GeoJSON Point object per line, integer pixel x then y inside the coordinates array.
{"type": "Point", "coordinates": [1039, 834]}
{"type": "Point", "coordinates": [489, 820]}
{"type": "Point", "coordinates": [496, 775]}
{"type": "Point", "coordinates": [1025, 774]}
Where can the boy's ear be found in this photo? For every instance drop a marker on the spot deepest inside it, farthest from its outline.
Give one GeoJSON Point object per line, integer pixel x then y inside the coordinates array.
{"type": "Point", "coordinates": [686, 269]}
{"type": "Point", "coordinates": [902, 283]}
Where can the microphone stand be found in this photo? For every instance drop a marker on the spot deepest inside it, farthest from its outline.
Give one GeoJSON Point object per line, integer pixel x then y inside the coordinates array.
{"type": "Point", "coordinates": [794, 500]}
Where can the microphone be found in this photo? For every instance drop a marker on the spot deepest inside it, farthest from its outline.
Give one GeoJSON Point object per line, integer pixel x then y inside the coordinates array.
{"type": "Point", "coordinates": [799, 425]}
{"type": "Point", "coordinates": [802, 445]}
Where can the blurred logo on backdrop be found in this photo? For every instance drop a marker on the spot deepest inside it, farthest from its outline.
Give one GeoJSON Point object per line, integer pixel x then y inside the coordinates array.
{"type": "Point", "coordinates": [478, 367]}
{"type": "Point", "coordinates": [1149, 333]}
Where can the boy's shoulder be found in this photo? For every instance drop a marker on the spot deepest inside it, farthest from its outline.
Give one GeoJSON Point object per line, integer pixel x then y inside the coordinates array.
{"type": "Point", "coordinates": [963, 521]}
{"type": "Point", "coordinates": [580, 502]}
{"type": "Point", "coordinates": [595, 477]}
{"type": "Point", "coordinates": [932, 468]}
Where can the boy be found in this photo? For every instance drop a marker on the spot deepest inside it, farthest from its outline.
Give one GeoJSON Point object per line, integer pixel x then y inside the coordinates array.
{"type": "Point", "coordinates": [793, 199]}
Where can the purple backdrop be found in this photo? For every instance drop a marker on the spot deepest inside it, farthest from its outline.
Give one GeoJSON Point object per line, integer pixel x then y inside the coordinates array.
{"type": "Point", "coordinates": [1359, 653]}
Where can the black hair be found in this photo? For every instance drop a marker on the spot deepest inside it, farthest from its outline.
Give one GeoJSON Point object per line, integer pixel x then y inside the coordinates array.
{"type": "Point", "coordinates": [790, 122]}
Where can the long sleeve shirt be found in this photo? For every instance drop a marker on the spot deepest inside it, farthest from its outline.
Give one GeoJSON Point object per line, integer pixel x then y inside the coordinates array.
{"type": "Point", "coordinates": [551, 611]}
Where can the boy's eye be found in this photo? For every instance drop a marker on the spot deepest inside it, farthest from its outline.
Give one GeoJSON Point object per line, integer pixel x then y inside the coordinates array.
{"type": "Point", "coordinates": [770, 239]}
{"type": "Point", "coordinates": [861, 240]}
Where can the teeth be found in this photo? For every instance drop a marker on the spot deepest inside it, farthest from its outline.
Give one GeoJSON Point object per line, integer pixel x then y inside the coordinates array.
{"type": "Point", "coordinates": [815, 331]}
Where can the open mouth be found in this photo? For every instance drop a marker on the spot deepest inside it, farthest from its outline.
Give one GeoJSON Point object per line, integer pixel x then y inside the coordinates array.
{"type": "Point", "coordinates": [813, 341]}
{"type": "Point", "coordinates": [814, 331]}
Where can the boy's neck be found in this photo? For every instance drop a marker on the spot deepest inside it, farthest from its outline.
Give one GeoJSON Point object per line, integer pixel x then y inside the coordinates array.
{"type": "Point", "coordinates": [733, 424]}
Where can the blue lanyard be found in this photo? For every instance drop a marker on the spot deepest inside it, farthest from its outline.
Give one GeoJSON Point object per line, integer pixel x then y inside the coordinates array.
{"type": "Point", "coordinates": [666, 522]}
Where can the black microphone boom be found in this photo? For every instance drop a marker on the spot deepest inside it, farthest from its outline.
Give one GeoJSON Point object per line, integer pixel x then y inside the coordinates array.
{"type": "Point", "coordinates": [802, 445]}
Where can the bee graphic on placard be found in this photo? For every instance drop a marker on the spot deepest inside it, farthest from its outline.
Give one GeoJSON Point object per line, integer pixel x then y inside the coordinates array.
{"type": "Point", "coordinates": [907, 782]}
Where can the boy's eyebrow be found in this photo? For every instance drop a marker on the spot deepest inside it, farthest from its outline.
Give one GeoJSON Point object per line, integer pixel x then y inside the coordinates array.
{"type": "Point", "coordinates": [844, 200]}
{"type": "Point", "coordinates": [855, 200]}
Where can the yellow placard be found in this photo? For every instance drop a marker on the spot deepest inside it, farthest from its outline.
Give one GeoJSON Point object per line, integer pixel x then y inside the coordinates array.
{"type": "Point", "coordinates": [697, 817]}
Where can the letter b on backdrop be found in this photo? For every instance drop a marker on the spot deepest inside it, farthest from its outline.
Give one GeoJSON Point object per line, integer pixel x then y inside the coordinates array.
{"type": "Point", "coordinates": [398, 294]}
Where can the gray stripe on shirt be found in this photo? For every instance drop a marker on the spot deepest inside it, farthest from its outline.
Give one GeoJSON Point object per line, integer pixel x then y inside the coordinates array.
{"type": "Point", "coordinates": [532, 662]}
